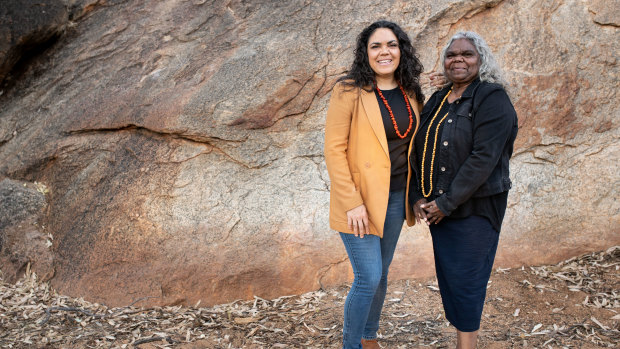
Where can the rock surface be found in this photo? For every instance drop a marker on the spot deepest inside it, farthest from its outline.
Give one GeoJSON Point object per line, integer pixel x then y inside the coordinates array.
{"type": "Point", "coordinates": [28, 27]}
{"type": "Point", "coordinates": [181, 141]}
{"type": "Point", "coordinates": [22, 238]}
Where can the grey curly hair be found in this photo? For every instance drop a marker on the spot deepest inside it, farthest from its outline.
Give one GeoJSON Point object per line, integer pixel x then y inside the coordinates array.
{"type": "Point", "coordinates": [489, 69]}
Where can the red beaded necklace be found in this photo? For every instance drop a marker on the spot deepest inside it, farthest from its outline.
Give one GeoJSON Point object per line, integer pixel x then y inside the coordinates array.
{"type": "Point", "coordinates": [387, 106]}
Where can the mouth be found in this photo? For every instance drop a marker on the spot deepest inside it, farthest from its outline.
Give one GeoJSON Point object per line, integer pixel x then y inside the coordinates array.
{"type": "Point", "coordinates": [385, 62]}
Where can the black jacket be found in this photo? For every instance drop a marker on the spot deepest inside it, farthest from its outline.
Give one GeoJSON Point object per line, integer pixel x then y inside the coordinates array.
{"type": "Point", "coordinates": [475, 148]}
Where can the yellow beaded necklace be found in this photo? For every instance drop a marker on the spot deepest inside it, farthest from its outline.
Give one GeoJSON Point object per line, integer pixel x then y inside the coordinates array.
{"type": "Point", "coordinates": [430, 190]}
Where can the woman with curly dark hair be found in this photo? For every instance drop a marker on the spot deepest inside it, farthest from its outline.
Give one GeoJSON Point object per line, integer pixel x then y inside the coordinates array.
{"type": "Point", "coordinates": [372, 118]}
{"type": "Point", "coordinates": [407, 73]}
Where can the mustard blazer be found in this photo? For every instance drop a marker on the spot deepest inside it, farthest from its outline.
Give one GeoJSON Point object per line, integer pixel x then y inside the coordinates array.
{"type": "Point", "coordinates": [357, 157]}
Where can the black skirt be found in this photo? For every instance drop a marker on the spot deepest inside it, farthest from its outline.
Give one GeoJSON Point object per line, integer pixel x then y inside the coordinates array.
{"type": "Point", "coordinates": [464, 253]}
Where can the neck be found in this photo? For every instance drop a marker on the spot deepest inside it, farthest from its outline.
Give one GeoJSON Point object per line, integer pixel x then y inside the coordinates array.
{"type": "Point", "coordinates": [386, 83]}
{"type": "Point", "coordinates": [458, 89]}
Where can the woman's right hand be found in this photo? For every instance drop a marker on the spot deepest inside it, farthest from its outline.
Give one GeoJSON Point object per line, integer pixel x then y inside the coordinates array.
{"type": "Point", "coordinates": [357, 219]}
{"type": "Point", "coordinates": [418, 211]}
{"type": "Point", "coordinates": [437, 80]}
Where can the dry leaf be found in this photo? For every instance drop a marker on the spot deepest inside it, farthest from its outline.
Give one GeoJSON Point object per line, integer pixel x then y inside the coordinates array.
{"type": "Point", "coordinates": [246, 320]}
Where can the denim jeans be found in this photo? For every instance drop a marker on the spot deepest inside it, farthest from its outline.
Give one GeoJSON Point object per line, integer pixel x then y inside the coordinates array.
{"type": "Point", "coordinates": [370, 258]}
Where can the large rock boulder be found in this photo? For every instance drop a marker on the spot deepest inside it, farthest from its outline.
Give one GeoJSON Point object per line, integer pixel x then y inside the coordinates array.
{"type": "Point", "coordinates": [181, 141]}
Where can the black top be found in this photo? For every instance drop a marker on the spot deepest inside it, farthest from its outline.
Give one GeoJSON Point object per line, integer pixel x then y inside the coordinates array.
{"type": "Point", "coordinates": [397, 146]}
{"type": "Point", "coordinates": [474, 145]}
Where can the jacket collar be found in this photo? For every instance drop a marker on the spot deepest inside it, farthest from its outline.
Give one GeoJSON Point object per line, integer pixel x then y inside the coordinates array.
{"type": "Point", "coordinates": [439, 95]}
{"type": "Point", "coordinates": [469, 91]}
{"type": "Point", "coordinates": [371, 107]}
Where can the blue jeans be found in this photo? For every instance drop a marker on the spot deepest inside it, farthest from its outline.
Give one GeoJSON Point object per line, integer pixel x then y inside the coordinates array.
{"type": "Point", "coordinates": [370, 258]}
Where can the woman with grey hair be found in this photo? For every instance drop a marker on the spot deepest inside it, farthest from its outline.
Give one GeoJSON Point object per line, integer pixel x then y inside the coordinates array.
{"type": "Point", "coordinates": [460, 180]}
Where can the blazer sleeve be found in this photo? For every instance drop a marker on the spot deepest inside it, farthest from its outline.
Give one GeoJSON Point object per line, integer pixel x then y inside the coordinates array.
{"type": "Point", "coordinates": [337, 127]}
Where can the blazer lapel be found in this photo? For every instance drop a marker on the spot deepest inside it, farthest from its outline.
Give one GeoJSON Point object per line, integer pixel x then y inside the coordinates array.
{"type": "Point", "coordinates": [371, 107]}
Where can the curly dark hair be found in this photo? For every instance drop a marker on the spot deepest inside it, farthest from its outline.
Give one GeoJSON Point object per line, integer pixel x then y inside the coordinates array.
{"type": "Point", "coordinates": [408, 72]}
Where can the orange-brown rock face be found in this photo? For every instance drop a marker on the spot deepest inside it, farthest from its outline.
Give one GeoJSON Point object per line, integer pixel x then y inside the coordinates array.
{"type": "Point", "coordinates": [180, 142]}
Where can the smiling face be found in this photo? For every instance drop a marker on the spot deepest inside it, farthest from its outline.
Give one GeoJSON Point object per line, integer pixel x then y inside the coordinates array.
{"type": "Point", "coordinates": [383, 53]}
{"type": "Point", "coordinates": [462, 62]}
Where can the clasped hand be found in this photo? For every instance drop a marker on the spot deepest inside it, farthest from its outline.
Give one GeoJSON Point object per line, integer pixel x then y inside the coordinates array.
{"type": "Point", "coordinates": [427, 212]}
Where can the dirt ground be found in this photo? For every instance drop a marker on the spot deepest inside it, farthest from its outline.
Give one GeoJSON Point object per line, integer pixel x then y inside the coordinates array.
{"type": "Point", "coordinates": [574, 304]}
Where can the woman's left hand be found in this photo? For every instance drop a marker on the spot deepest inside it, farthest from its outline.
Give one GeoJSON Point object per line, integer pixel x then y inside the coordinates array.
{"type": "Point", "coordinates": [433, 213]}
